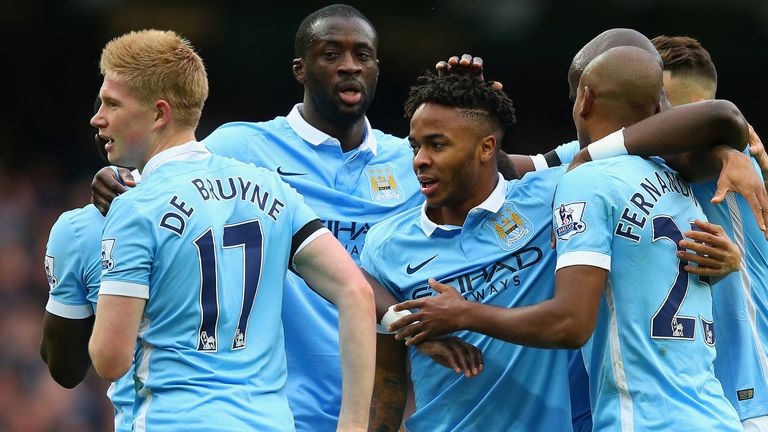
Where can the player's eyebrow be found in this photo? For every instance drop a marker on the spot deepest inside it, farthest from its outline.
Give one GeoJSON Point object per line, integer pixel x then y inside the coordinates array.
{"type": "Point", "coordinates": [429, 137]}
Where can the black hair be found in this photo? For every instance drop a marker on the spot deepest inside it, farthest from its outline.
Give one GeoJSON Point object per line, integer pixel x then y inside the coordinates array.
{"type": "Point", "coordinates": [506, 167]}
{"type": "Point", "coordinates": [304, 33]}
{"type": "Point", "coordinates": [475, 97]}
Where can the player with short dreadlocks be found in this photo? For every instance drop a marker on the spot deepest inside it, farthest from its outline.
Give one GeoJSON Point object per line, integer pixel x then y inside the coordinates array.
{"type": "Point", "coordinates": [485, 236]}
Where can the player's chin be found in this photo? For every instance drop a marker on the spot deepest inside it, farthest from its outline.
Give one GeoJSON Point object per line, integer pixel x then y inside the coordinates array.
{"type": "Point", "coordinates": [433, 200]}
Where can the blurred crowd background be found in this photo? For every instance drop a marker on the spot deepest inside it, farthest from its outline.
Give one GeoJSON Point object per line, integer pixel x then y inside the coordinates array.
{"type": "Point", "coordinates": [50, 54]}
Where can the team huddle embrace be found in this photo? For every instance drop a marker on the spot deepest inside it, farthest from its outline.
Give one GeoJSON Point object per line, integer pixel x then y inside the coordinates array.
{"type": "Point", "coordinates": [289, 274]}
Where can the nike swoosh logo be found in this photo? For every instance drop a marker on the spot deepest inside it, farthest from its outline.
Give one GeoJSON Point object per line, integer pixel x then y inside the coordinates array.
{"type": "Point", "coordinates": [288, 173]}
{"type": "Point", "coordinates": [412, 270]}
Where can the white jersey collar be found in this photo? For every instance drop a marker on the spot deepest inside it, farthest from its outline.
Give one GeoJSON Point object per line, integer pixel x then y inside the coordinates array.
{"type": "Point", "coordinates": [190, 151]}
{"type": "Point", "coordinates": [491, 204]}
{"type": "Point", "coordinates": [316, 137]}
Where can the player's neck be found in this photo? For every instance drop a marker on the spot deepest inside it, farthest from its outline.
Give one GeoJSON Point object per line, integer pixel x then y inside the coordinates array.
{"type": "Point", "coordinates": [165, 140]}
{"type": "Point", "coordinates": [456, 214]}
{"type": "Point", "coordinates": [603, 129]}
{"type": "Point", "coordinates": [349, 135]}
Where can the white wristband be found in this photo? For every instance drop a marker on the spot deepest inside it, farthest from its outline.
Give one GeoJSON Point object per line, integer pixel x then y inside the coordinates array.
{"type": "Point", "coordinates": [539, 162]}
{"type": "Point", "coordinates": [608, 147]}
{"type": "Point", "coordinates": [391, 316]}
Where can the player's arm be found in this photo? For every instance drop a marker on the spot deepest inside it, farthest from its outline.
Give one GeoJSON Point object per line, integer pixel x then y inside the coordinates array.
{"type": "Point", "coordinates": [327, 267]}
{"type": "Point", "coordinates": [702, 140]}
{"type": "Point", "coordinates": [127, 251]}
{"type": "Point", "coordinates": [64, 348]}
{"type": "Point", "coordinates": [68, 314]}
{"type": "Point", "coordinates": [565, 321]}
{"type": "Point", "coordinates": [390, 385]}
{"type": "Point", "coordinates": [696, 127]}
{"type": "Point", "coordinates": [114, 334]}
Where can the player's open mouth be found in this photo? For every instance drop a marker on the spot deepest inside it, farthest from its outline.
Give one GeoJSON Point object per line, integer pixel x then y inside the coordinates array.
{"type": "Point", "coordinates": [106, 141]}
{"type": "Point", "coordinates": [350, 92]}
{"type": "Point", "coordinates": [428, 185]}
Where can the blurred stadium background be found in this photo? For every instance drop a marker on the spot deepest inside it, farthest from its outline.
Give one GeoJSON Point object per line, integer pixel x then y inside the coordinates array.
{"type": "Point", "coordinates": [50, 51]}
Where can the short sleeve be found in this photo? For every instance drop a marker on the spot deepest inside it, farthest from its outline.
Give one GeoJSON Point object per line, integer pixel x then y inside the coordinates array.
{"type": "Point", "coordinates": [582, 218]}
{"type": "Point", "coordinates": [566, 152]}
{"type": "Point", "coordinates": [64, 268]}
{"type": "Point", "coordinates": [127, 251]}
{"type": "Point", "coordinates": [302, 214]}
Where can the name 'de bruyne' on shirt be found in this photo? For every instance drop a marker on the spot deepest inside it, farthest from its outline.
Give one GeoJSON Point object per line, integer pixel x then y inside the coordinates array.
{"type": "Point", "coordinates": [219, 190]}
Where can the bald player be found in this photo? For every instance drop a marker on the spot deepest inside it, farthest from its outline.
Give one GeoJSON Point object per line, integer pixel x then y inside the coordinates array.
{"type": "Point", "coordinates": [564, 154]}
{"type": "Point", "coordinates": [740, 301]}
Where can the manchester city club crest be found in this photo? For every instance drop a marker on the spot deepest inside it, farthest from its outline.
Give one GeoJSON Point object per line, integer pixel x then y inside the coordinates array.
{"type": "Point", "coordinates": [568, 220]}
{"type": "Point", "coordinates": [384, 186]}
{"type": "Point", "coordinates": [509, 226]}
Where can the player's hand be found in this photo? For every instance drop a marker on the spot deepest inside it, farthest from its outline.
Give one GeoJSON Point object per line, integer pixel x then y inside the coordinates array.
{"type": "Point", "coordinates": [106, 186]}
{"type": "Point", "coordinates": [757, 150]}
{"type": "Point", "coordinates": [738, 175]}
{"type": "Point", "coordinates": [453, 353]}
{"type": "Point", "coordinates": [466, 64]}
{"type": "Point", "coordinates": [580, 158]}
{"type": "Point", "coordinates": [438, 315]}
{"type": "Point", "coordinates": [713, 252]}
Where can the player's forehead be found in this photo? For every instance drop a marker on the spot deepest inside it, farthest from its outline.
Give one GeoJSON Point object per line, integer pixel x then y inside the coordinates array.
{"type": "Point", "coordinates": [432, 120]}
{"type": "Point", "coordinates": [113, 88]}
{"type": "Point", "coordinates": [434, 115]}
{"type": "Point", "coordinates": [342, 29]}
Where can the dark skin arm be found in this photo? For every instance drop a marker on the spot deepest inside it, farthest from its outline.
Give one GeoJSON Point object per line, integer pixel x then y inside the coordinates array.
{"type": "Point", "coordinates": [565, 321]}
{"type": "Point", "coordinates": [702, 141]}
{"type": "Point", "coordinates": [64, 348]}
{"type": "Point", "coordinates": [390, 385]}
{"type": "Point", "coordinates": [688, 128]}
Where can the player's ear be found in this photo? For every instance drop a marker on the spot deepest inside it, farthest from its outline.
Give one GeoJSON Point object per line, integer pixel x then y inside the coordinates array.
{"type": "Point", "coordinates": [162, 112]}
{"type": "Point", "coordinates": [487, 148]}
{"type": "Point", "coordinates": [298, 70]}
{"type": "Point", "coordinates": [587, 101]}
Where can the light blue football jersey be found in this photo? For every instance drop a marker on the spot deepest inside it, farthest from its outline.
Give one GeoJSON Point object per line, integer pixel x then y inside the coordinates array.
{"type": "Point", "coordinates": [350, 192]}
{"type": "Point", "coordinates": [578, 384]}
{"type": "Point", "coordinates": [501, 256]}
{"type": "Point", "coordinates": [207, 241]}
{"type": "Point", "coordinates": [650, 358]}
{"type": "Point", "coordinates": [740, 302]}
{"type": "Point", "coordinates": [73, 268]}
{"type": "Point", "coordinates": [741, 305]}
